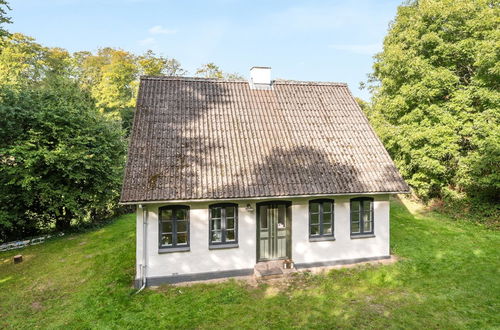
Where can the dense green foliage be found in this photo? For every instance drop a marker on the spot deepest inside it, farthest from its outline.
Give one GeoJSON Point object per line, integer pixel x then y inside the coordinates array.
{"type": "Point", "coordinates": [111, 76]}
{"type": "Point", "coordinates": [61, 161]}
{"type": "Point", "coordinates": [437, 97]}
{"type": "Point", "coordinates": [447, 278]}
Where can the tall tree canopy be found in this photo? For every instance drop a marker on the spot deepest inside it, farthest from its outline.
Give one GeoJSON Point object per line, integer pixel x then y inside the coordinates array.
{"type": "Point", "coordinates": [22, 61]}
{"type": "Point", "coordinates": [437, 96]}
{"type": "Point", "coordinates": [110, 75]}
{"type": "Point", "coordinates": [61, 160]}
{"type": "Point", "coordinates": [151, 64]}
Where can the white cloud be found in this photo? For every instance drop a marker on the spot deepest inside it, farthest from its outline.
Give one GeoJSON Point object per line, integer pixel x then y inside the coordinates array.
{"type": "Point", "coordinates": [147, 41]}
{"type": "Point", "coordinates": [158, 29]}
{"type": "Point", "coordinates": [365, 49]}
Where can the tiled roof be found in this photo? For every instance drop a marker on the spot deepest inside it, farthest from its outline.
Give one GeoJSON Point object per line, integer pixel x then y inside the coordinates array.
{"type": "Point", "coordinates": [199, 138]}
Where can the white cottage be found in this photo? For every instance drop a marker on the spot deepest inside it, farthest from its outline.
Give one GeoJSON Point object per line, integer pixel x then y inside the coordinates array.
{"type": "Point", "coordinates": [230, 174]}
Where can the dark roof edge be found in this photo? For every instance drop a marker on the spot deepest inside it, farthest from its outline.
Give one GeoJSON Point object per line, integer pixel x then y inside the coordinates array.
{"type": "Point", "coordinates": [277, 81]}
{"type": "Point", "coordinates": [153, 201]}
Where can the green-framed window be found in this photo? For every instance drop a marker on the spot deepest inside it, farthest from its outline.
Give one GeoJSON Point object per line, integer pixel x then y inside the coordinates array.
{"type": "Point", "coordinates": [362, 216]}
{"type": "Point", "coordinates": [223, 224]}
{"type": "Point", "coordinates": [321, 218]}
{"type": "Point", "coordinates": [174, 226]}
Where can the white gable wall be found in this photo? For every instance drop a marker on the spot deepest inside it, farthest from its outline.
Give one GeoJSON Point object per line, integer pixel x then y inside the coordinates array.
{"type": "Point", "coordinates": [200, 259]}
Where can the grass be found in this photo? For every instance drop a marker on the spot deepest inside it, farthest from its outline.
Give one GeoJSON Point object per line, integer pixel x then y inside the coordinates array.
{"type": "Point", "coordinates": [448, 278]}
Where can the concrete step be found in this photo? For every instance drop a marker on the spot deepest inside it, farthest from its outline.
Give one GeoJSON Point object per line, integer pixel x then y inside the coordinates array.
{"type": "Point", "coordinates": [271, 269]}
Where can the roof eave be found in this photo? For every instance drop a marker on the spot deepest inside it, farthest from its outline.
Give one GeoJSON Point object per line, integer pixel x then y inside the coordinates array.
{"type": "Point", "coordinates": [201, 200]}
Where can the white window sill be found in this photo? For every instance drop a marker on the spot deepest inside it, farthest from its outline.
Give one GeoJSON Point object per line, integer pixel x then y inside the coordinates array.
{"type": "Point", "coordinates": [174, 249]}
{"type": "Point", "coordinates": [223, 246]}
{"type": "Point", "coordinates": [321, 238]}
{"type": "Point", "coordinates": [362, 236]}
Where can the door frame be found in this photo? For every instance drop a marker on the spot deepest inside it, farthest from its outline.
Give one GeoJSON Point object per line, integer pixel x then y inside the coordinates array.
{"type": "Point", "coordinates": [288, 214]}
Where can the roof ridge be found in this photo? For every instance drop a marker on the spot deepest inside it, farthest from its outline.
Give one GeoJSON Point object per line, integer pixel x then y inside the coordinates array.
{"type": "Point", "coordinates": [305, 82]}
{"type": "Point", "coordinates": [276, 81]}
{"type": "Point", "coordinates": [191, 79]}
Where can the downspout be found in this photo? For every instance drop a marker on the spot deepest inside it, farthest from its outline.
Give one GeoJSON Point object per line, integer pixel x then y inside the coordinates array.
{"type": "Point", "coordinates": [144, 247]}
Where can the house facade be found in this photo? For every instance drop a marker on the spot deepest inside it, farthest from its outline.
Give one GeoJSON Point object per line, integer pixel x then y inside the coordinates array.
{"type": "Point", "coordinates": [227, 175]}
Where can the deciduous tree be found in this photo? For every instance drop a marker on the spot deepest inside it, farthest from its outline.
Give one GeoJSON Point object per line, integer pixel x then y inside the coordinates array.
{"type": "Point", "coordinates": [151, 64]}
{"type": "Point", "coordinates": [60, 159]}
{"type": "Point", "coordinates": [22, 61]}
{"type": "Point", "coordinates": [437, 96]}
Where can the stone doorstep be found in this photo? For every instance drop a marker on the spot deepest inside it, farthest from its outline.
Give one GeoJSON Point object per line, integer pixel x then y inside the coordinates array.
{"type": "Point", "coordinates": [271, 269]}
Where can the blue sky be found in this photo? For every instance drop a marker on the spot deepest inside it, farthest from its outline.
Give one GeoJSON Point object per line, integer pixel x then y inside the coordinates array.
{"type": "Point", "coordinates": [300, 40]}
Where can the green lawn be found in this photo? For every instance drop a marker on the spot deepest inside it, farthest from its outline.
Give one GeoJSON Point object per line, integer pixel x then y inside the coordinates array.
{"type": "Point", "coordinates": [448, 278]}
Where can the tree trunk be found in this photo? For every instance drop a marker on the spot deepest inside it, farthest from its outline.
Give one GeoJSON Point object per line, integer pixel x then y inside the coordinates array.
{"type": "Point", "coordinates": [64, 221]}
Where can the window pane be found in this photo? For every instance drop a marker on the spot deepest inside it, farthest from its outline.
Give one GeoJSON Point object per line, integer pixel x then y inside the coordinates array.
{"type": "Point", "coordinates": [181, 213]}
{"type": "Point", "coordinates": [314, 207]}
{"type": "Point", "coordinates": [355, 216]}
{"type": "Point", "coordinates": [166, 240]}
{"type": "Point", "coordinates": [182, 226]}
{"type": "Point", "coordinates": [230, 235]}
{"type": "Point", "coordinates": [314, 229]}
{"type": "Point", "coordinates": [216, 236]}
{"type": "Point", "coordinates": [367, 224]}
{"type": "Point", "coordinates": [182, 238]}
{"type": "Point", "coordinates": [327, 229]}
{"type": "Point", "coordinates": [216, 212]}
{"type": "Point", "coordinates": [366, 217]}
{"type": "Point", "coordinates": [216, 224]}
{"type": "Point", "coordinates": [327, 207]}
{"type": "Point", "coordinates": [230, 211]}
{"type": "Point", "coordinates": [367, 205]}
{"type": "Point", "coordinates": [166, 214]}
{"type": "Point", "coordinates": [355, 206]}
{"type": "Point", "coordinates": [367, 227]}
{"type": "Point", "coordinates": [281, 216]}
{"type": "Point", "coordinates": [230, 223]}
{"type": "Point", "coordinates": [355, 227]}
{"type": "Point", "coordinates": [327, 218]}
{"type": "Point", "coordinates": [314, 219]}
{"type": "Point", "coordinates": [166, 227]}
{"type": "Point", "coordinates": [263, 216]}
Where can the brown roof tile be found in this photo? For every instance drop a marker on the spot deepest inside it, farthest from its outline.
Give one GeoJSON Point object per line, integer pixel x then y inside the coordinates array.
{"type": "Point", "coordinates": [197, 138]}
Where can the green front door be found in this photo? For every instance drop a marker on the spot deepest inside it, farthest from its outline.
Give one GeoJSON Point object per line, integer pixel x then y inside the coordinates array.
{"type": "Point", "coordinates": [273, 231]}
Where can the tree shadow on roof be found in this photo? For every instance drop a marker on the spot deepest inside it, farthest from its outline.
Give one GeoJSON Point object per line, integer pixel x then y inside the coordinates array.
{"type": "Point", "coordinates": [301, 170]}
{"type": "Point", "coordinates": [168, 140]}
